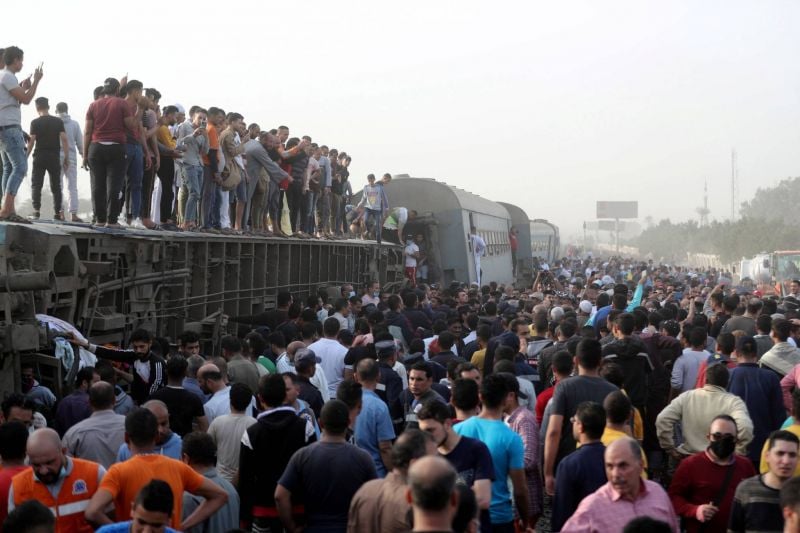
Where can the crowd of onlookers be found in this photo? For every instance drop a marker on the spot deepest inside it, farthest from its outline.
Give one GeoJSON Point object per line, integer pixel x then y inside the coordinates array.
{"type": "Point", "coordinates": [609, 396]}
{"type": "Point", "coordinates": [155, 166]}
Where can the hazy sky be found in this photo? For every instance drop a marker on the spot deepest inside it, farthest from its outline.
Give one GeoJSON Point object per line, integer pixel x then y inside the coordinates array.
{"type": "Point", "coordinates": [548, 105]}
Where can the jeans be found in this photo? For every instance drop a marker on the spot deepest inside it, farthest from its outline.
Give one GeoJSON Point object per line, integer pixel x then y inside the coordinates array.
{"type": "Point", "coordinates": [72, 182]}
{"type": "Point", "coordinates": [49, 162]}
{"type": "Point", "coordinates": [108, 162]}
{"type": "Point", "coordinates": [212, 200]}
{"type": "Point", "coordinates": [15, 159]}
{"type": "Point", "coordinates": [194, 180]}
{"type": "Point", "coordinates": [325, 210]}
{"type": "Point", "coordinates": [336, 215]}
{"type": "Point", "coordinates": [377, 214]}
{"type": "Point", "coordinates": [134, 174]}
{"type": "Point", "coordinates": [311, 211]}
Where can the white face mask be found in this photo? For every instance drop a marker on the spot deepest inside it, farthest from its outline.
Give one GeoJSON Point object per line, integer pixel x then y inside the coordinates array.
{"type": "Point", "coordinates": [351, 293]}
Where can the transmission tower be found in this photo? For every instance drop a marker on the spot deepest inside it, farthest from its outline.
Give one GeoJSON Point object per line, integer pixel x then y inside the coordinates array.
{"type": "Point", "coordinates": [704, 211]}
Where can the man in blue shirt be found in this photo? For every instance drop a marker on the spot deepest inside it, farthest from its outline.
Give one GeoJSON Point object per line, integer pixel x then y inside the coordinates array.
{"type": "Point", "coordinates": [583, 471]}
{"type": "Point", "coordinates": [619, 301]}
{"type": "Point", "coordinates": [507, 453]}
{"type": "Point", "coordinates": [374, 432]}
{"type": "Point", "coordinates": [152, 509]}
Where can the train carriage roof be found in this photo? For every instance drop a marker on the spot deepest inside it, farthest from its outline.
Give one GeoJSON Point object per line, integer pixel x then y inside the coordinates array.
{"type": "Point", "coordinates": [429, 195]}
{"type": "Point", "coordinates": [518, 215]}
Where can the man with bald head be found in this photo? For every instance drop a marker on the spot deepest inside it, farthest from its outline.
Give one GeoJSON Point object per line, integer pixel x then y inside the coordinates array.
{"type": "Point", "coordinates": [99, 437]}
{"type": "Point", "coordinates": [63, 483]}
{"type": "Point", "coordinates": [432, 494]}
{"type": "Point", "coordinates": [626, 495]}
{"type": "Point", "coordinates": [212, 382]}
{"type": "Point", "coordinates": [168, 443]}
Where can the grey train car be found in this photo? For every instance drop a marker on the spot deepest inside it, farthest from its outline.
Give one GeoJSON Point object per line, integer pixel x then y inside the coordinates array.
{"type": "Point", "coordinates": [545, 242]}
{"type": "Point", "coordinates": [109, 282]}
{"type": "Point", "coordinates": [444, 216]}
{"type": "Point", "coordinates": [521, 222]}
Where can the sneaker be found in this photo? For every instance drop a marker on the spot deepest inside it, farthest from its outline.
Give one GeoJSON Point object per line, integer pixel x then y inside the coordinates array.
{"type": "Point", "coordinates": [59, 216]}
{"type": "Point", "coordinates": [35, 215]}
{"type": "Point", "coordinates": [76, 218]}
{"type": "Point", "coordinates": [137, 224]}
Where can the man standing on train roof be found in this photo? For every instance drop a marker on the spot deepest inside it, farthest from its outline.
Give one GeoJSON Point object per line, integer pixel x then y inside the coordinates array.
{"type": "Point", "coordinates": [514, 244]}
{"type": "Point", "coordinates": [374, 201]}
{"type": "Point", "coordinates": [478, 247]}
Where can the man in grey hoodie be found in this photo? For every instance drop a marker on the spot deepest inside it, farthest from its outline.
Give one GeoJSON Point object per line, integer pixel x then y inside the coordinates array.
{"type": "Point", "coordinates": [782, 357]}
{"type": "Point", "coordinates": [75, 145]}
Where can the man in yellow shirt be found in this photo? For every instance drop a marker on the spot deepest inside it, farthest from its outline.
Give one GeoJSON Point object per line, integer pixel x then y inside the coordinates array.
{"type": "Point", "coordinates": [166, 170]}
{"type": "Point", "coordinates": [618, 421]}
{"type": "Point", "coordinates": [483, 334]}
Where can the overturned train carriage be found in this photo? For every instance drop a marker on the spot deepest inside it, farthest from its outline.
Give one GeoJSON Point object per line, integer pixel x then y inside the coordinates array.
{"type": "Point", "coordinates": [444, 216]}
{"type": "Point", "coordinates": [107, 283]}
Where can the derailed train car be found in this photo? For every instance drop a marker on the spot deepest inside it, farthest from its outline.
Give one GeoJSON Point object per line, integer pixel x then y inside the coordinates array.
{"type": "Point", "coordinates": [545, 240]}
{"type": "Point", "coordinates": [109, 282]}
{"type": "Point", "coordinates": [444, 216]}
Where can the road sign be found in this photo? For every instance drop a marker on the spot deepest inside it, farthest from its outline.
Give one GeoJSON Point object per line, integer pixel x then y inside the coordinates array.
{"type": "Point", "coordinates": [610, 225]}
{"type": "Point", "coordinates": [615, 210]}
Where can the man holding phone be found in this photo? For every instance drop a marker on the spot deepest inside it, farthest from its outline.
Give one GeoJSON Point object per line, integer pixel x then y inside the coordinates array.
{"type": "Point", "coordinates": [12, 142]}
{"type": "Point", "coordinates": [192, 138]}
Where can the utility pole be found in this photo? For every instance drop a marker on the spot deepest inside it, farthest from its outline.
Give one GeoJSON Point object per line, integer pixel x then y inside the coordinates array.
{"type": "Point", "coordinates": [733, 185]}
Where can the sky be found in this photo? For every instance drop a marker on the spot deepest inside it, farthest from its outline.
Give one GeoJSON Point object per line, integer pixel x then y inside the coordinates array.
{"type": "Point", "coordinates": [551, 106]}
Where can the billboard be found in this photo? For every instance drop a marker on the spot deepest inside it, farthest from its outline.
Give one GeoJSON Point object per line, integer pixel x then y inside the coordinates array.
{"type": "Point", "coordinates": [617, 209]}
{"type": "Point", "coordinates": [610, 225]}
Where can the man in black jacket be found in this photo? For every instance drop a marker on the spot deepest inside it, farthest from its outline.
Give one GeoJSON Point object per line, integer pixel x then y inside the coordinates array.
{"type": "Point", "coordinates": [395, 317]}
{"type": "Point", "coordinates": [630, 353]}
{"type": "Point", "coordinates": [266, 449]}
{"type": "Point", "coordinates": [149, 369]}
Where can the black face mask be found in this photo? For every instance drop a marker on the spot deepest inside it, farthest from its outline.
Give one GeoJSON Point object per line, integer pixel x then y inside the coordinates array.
{"type": "Point", "coordinates": [724, 447]}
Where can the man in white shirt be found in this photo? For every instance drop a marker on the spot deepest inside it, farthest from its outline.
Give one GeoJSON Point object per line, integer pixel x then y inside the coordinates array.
{"type": "Point", "coordinates": [211, 381]}
{"type": "Point", "coordinates": [332, 353]}
{"type": "Point", "coordinates": [411, 254]}
{"type": "Point", "coordinates": [478, 250]}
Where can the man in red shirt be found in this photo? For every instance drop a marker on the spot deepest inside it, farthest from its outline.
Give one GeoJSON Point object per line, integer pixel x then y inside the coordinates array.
{"type": "Point", "coordinates": [562, 369]}
{"type": "Point", "coordinates": [108, 120]}
{"type": "Point", "coordinates": [514, 244]}
{"type": "Point", "coordinates": [703, 486]}
{"type": "Point", "coordinates": [13, 440]}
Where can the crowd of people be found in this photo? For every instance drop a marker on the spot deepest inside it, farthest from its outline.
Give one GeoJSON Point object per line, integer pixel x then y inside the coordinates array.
{"type": "Point", "coordinates": [163, 167]}
{"type": "Point", "coordinates": [609, 396]}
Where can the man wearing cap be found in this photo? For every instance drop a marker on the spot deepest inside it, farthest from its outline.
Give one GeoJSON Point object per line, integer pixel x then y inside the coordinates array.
{"type": "Point", "coordinates": [75, 142]}
{"type": "Point", "coordinates": [390, 384]}
{"type": "Point", "coordinates": [584, 312]}
{"type": "Point", "coordinates": [305, 364]}
{"type": "Point", "coordinates": [760, 390]}
{"type": "Point", "coordinates": [48, 141]}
